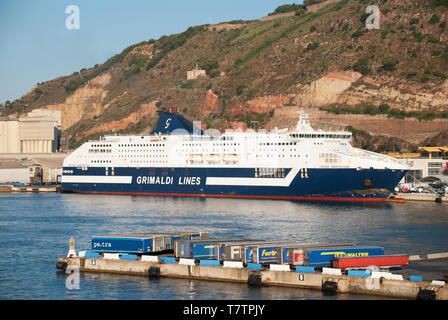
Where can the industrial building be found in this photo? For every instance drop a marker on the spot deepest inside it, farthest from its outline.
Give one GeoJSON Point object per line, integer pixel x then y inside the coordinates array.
{"type": "Point", "coordinates": [38, 132]}
{"type": "Point", "coordinates": [429, 162]}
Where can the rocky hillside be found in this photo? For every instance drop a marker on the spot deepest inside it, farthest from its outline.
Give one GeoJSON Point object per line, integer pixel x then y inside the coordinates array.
{"type": "Point", "coordinates": [388, 86]}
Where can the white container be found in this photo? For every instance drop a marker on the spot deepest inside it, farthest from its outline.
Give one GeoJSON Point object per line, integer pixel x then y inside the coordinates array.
{"type": "Point", "coordinates": [233, 264]}
{"type": "Point", "coordinates": [189, 262]}
{"type": "Point", "coordinates": [332, 271]}
{"type": "Point", "coordinates": [150, 258]}
{"type": "Point", "coordinates": [279, 267]}
{"type": "Point", "coordinates": [111, 256]}
{"type": "Point", "coordinates": [438, 283]}
{"type": "Point", "coordinates": [395, 277]}
{"type": "Point", "coordinates": [380, 274]}
{"type": "Point", "coordinates": [82, 254]}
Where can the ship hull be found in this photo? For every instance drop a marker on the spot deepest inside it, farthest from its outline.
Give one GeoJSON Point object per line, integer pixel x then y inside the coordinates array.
{"type": "Point", "coordinates": [329, 184]}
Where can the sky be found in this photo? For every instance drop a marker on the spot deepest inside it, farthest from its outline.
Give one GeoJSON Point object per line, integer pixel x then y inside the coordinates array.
{"type": "Point", "coordinates": [36, 45]}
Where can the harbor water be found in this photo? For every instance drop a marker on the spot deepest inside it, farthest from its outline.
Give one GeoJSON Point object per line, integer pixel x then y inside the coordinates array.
{"type": "Point", "coordinates": [35, 229]}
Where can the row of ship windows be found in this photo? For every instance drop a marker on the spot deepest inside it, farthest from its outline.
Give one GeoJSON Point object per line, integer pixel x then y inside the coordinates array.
{"type": "Point", "coordinates": [100, 150]}
{"type": "Point", "coordinates": [269, 173]}
{"type": "Point", "coordinates": [140, 150]}
{"type": "Point", "coordinates": [278, 144]}
{"type": "Point", "coordinates": [143, 145]}
{"type": "Point", "coordinates": [279, 155]}
{"type": "Point", "coordinates": [312, 135]}
{"type": "Point", "coordinates": [143, 156]}
{"type": "Point", "coordinates": [215, 144]}
{"type": "Point", "coordinates": [101, 145]}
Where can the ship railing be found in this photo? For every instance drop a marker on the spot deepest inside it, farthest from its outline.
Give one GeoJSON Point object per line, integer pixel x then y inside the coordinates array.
{"type": "Point", "coordinates": [365, 154]}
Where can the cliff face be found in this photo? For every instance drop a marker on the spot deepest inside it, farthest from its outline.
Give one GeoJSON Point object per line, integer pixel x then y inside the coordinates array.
{"type": "Point", "coordinates": [262, 72]}
{"type": "Point", "coordinates": [85, 102]}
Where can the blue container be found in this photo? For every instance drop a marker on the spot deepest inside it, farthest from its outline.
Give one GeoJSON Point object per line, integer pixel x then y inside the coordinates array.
{"type": "Point", "coordinates": [304, 269]}
{"type": "Point", "coordinates": [175, 236]}
{"type": "Point", "coordinates": [128, 257]}
{"type": "Point", "coordinates": [211, 263]}
{"type": "Point", "coordinates": [207, 251]}
{"type": "Point", "coordinates": [358, 273]}
{"type": "Point", "coordinates": [126, 243]}
{"type": "Point", "coordinates": [168, 259]}
{"type": "Point", "coordinates": [253, 266]}
{"type": "Point", "coordinates": [140, 242]}
{"type": "Point", "coordinates": [415, 278]}
{"type": "Point", "coordinates": [92, 255]}
{"type": "Point", "coordinates": [323, 257]}
{"type": "Point", "coordinates": [269, 252]}
{"type": "Point", "coordinates": [201, 249]}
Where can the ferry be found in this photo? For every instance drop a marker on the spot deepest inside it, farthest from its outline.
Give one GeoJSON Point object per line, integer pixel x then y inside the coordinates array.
{"type": "Point", "coordinates": [179, 159]}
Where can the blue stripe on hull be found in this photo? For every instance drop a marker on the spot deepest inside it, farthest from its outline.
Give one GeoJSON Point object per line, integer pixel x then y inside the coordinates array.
{"type": "Point", "coordinates": [317, 184]}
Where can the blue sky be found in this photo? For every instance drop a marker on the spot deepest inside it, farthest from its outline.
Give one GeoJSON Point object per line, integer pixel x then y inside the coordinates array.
{"type": "Point", "coordinates": [36, 46]}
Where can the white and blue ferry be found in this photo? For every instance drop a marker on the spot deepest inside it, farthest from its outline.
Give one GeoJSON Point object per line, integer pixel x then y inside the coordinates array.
{"type": "Point", "coordinates": [179, 159]}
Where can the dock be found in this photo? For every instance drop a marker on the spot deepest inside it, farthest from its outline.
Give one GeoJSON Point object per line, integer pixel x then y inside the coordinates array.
{"type": "Point", "coordinates": [327, 279]}
{"type": "Point", "coordinates": [33, 188]}
{"type": "Point", "coordinates": [421, 197]}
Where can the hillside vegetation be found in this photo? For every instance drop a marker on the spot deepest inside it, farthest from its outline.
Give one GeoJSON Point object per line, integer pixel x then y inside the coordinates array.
{"type": "Point", "coordinates": [257, 61]}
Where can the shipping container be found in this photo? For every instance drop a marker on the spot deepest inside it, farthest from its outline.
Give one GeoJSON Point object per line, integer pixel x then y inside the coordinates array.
{"type": "Point", "coordinates": [201, 249]}
{"type": "Point", "coordinates": [139, 242]}
{"type": "Point", "coordinates": [234, 251]}
{"type": "Point", "coordinates": [265, 252]}
{"type": "Point", "coordinates": [177, 235]}
{"type": "Point", "coordinates": [362, 262]}
{"type": "Point", "coordinates": [298, 255]}
{"type": "Point", "coordinates": [323, 257]}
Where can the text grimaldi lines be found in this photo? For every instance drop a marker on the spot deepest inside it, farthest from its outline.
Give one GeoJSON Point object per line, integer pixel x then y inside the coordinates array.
{"type": "Point", "coordinates": [168, 180]}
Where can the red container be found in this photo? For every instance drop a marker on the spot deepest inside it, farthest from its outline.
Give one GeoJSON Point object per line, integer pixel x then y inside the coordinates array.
{"type": "Point", "coordinates": [360, 262]}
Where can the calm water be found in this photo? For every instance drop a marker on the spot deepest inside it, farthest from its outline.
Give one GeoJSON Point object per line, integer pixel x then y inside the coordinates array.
{"type": "Point", "coordinates": [35, 228]}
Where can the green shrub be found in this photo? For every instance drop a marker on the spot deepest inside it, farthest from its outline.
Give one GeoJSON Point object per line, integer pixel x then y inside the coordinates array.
{"type": "Point", "coordinates": [443, 3]}
{"type": "Point", "coordinates": [287, 8]}
{"type": "Point", "coordinates": [214, 73]}
{"type": "Point", "coordinates": [434, 19]}
{"type": "Point", "coordinates": [383, 108]}
{"type": "Point", "coordinates": [300, 11]}
{"type": "Point", "coordinates": [432, 39]}
{"type": "Point", "coordinates": [210, 65]}
{"type": "Point", "coordinates": [414, 21]}
{"type": "Point", "coordinates": [411, 74]}
{"type": "Point", "coordinates": [417, 35]}
{"type": "Point", "coordinates": [438, 74]}
{"type": "Point", "coordinates": [362, 66]}
{"type": "Point", "coordinates": [389, 65]}
{"type": "Point", "coordinates": [188, 84]}
{"type": "Point", "coordinates": [313, 46]}
{"type": "Point", "coordinates": [240, 89]}
{"type": "Point", "coordinates": [358, 33]}
{"type": "Point", "coordinates": [73, 85]}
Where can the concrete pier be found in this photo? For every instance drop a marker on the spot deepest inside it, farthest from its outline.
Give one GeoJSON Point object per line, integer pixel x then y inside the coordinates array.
{"type": "Point", "coordinates": [421, 197]}
{"type": "Point", "coordinates": [11, 188]}
{"type": "Point", "coordinates": [379, 283]}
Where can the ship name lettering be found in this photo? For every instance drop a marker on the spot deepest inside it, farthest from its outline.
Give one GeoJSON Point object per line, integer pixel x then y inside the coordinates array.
{"type": "Point", "coordinates": [190, 180]}
{"type": "Point", "coordinates": [154, 180]}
